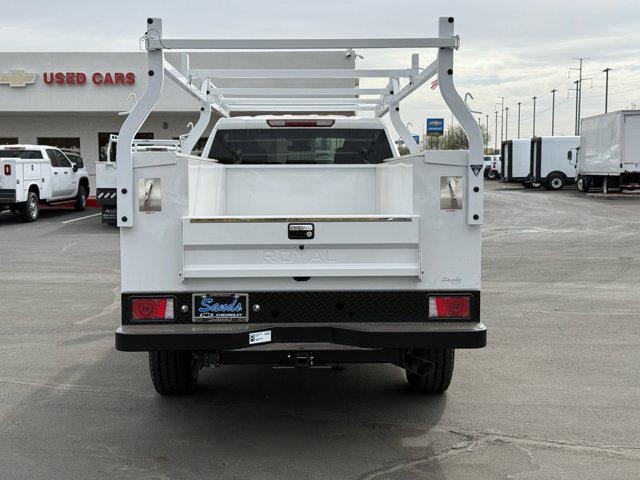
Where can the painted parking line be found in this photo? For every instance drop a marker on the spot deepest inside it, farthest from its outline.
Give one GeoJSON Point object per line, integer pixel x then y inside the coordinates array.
{"type": "Point", "coordinates": [82, 218]}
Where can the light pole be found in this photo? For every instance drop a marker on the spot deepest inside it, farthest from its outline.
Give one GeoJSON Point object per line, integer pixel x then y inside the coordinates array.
{"type": "Point", "coordinates": [577, 107]}
{"type": "Point", "coordinates": [534, 116]}
{"type": "Point", "coordinates": [506, 125]}
{"type": "Point", "coordinates": [486, 144]}
{"type": "Point", "coordinates": [606, 89]}
{"type": "Point", "coordinates": [495, 146]}
{"type": "Point", "coordinates": [553, 110]}
{"type": "Point", "coordinates": [519, 103]}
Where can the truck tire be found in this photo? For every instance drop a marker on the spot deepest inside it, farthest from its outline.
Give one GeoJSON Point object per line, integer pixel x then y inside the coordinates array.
{"type": "Point", "coordinates": [174, 372]}
{"type": "Point", "coordinates": [30, 210]}
{"type": "Point", "coordinates": [583, 184]}
{"type": "Point", "coordinates": [437, 381]}
{"type": "Point", "coordinates": [81, 200]}
{"type": "Point", "coordinates": [555, 181]}
{"type": "Point", "coordinates": [491, 175]}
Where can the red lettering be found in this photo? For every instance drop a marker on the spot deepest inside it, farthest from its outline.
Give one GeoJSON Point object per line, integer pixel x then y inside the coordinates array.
{"type": "Point", "coordinates": [118, 78]}
{"type": "Point", "coordinates": [60, 78]}
{"type": "Point", "coordinates": [130, 78]}
{"type": "Point", "coordinates": [71, 78]}
{"type": "Point", "coordinates": [48, 79]}
{"type": "Point", "coordinates": [108, 80]}
{"type": "Point", "coordinates": [97, 78]}
{"type": "Point", "coordinates": [81, 78]}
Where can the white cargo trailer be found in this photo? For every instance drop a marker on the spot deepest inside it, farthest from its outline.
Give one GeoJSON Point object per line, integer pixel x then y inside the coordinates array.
{"type": "Point", "coordinates": [609, 152]}
{"type": "Point", "coordinates": [300, 241]}
{"type": "Point", "coordinates": [549, 166]}
{"type": "Point", "coordinates": [516, 160]}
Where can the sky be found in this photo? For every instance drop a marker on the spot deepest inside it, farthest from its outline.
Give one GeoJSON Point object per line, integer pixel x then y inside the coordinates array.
{"type": "Point", "coordinates": [511, 49]}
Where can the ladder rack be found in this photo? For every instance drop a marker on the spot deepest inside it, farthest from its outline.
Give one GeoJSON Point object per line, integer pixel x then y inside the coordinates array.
{"type": "Point", "coordinates": [200, 84]}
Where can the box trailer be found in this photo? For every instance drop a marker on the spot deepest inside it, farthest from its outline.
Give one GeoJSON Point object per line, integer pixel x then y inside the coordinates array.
{"type": "Point", "coordinates": [548, 165]}
{"type": "Point", "coordinates": [516, 160]}
{"type": "Point", "coordinates": [609, 152]}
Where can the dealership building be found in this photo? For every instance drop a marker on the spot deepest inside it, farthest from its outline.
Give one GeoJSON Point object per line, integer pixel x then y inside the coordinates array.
{"type": "Point", "coordinates": [76, 100]}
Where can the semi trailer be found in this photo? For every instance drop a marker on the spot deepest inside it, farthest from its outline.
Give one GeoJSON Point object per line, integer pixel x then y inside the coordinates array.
{"type": "Point", "coordinates": [300, 241]}
{"type": "Point", "coordinates": [609, 152]}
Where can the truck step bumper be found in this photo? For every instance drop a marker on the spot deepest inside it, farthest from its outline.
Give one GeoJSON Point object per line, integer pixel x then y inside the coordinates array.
{"type": "Point", "coordinates": [213, 337]}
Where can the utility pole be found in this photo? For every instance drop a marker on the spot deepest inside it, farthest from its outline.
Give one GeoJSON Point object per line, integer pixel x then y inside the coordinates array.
{"type": "Point", "coordinates": [506, 125]}
{"type": "Point", "coordinates": [501, 121]}
{"type": "Point", "coordinates": [579, 92]}
{"type": "Point", "coordinates": [606, 89]}
{"type": "Point", "coordinates": [577, 118]}
{"type": "Point", "coordinates": [519, 103]}
{"type": "Point", "coordinates": [553, 111]}
{"type": "Point", "coordinates": [495, 147]}
{"type": "Point", "coordinates": [534, 116]}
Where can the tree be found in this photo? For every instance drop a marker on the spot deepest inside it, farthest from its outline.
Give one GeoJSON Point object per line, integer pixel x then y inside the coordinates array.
{"type": "Point", "coordinates": [454, 139]}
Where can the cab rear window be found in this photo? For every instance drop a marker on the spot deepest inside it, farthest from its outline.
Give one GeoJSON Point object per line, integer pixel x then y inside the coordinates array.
{"type": "Point", "coordinates": [24, 154]}
{"type": "Point", "coordinates": [300, 146]}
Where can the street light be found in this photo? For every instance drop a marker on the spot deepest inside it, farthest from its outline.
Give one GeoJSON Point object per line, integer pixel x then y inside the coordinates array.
{"type": "Point", "coordinates": [534, 116]}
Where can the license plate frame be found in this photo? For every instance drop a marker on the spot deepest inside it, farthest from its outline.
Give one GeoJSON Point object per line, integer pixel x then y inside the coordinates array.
{"type": "Point", "coordinates": [221, 307]}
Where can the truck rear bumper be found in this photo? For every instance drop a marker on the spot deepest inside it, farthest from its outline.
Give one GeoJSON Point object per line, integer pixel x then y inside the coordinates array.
{"type": "Point", "coordinates": [218, 337]}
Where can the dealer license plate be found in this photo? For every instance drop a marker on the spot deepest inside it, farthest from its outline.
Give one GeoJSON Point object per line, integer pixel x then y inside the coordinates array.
{"type": "Point", "coordinates": [220, 307]}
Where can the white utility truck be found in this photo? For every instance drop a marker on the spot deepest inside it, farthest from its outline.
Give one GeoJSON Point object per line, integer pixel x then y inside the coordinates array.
{"type": "Point", "coordinates": [300, 241]}
{"type": "Point", "coordinates": [548, 165]}
{"type": "Point", "coordinates": [107, 175]}
{"type": "Point", "coordinates": [516, 161]}
{"type": "Point", "coordinates": [609, 152]}
{"type": "Point", "coordinates": [31, 175]}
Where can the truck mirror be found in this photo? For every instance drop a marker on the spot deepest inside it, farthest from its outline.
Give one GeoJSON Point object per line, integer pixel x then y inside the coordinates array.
{"type": "Point", "coordinates": [75, 167]}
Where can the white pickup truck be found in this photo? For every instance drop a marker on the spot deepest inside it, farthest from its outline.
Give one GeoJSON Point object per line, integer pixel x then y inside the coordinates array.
{"type": "Point", "coordinates": [300, 241]}
{"type": "Point", "coordinates": [32, 175]}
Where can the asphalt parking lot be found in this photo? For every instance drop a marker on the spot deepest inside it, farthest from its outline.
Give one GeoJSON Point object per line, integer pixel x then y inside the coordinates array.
{"type": "Point", "coordinates": [555, 394]}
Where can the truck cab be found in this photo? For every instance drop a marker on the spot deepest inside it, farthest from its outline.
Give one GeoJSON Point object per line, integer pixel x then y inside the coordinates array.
{"type": "Point", "coordinates": [34, 175]}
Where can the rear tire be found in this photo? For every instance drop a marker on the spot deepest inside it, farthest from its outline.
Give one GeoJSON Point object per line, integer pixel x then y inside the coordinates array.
{"type": "Point", "coordinates": [81, 200]}
{"type": "Point", "coordinates": [555, 182]}
{"type": "Point", "coordinates": [174, 372]}
{"type": "Point", "coordinates": [30, 210]}
{"type": "Point", "coordinates": [491, 175]}
{"type": "Point", "coordinates": [583, 184]}
{"type": "Point", "coordinates": [437, 381]}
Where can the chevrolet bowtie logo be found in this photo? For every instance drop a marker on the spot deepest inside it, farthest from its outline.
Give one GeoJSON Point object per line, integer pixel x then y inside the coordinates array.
{"type": "Point", "coordinates": [17, 78]}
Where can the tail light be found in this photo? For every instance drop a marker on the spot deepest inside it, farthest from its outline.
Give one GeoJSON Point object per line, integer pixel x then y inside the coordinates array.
{"type": "Point", "coordinates": [146, 308]}
{"type": "Point", "coordinates": [7, 169]}
{"type": "Point", "coordinates": [458, 306]}
{"type": "Point", "coordinates": [327, 122]}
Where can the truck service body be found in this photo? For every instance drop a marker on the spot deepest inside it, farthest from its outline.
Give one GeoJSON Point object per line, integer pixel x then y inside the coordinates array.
{"type": "Point", "coordinates": [609, 153]}
{"type": "Point", "coordinates": [516, 160]}
{"type": "Point", "coordinates": [31, 175]}
{"type": "Point", "coordinates": [300, 241]}
{"type": "Point", "coordinates": [549, 166]}
{"type": "Point", "coordinates": [107, 175]}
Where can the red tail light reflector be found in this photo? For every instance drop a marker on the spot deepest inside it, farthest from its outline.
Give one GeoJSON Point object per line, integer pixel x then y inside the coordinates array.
{"type": "Point", "coordinates": [7, 169]}
{"type": "Point", "coordinates": [146, 308]}
{"type": "Point", "coordinates": [458, 306]}
{"type": "Point", "coordinates": [327, 122]}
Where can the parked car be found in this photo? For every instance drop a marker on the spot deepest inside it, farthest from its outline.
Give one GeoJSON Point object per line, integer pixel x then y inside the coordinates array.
{"type": "Point", "coordinates": [32, 175]}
